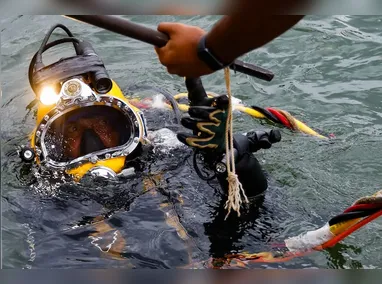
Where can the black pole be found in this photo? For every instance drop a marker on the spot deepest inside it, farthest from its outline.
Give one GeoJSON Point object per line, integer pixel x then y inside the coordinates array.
{"type": "Point", "coordinates": [150, 36]}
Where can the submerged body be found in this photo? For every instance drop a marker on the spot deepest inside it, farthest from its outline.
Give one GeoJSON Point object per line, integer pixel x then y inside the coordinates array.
{"type": "Point", "coordinates": [141, 220]}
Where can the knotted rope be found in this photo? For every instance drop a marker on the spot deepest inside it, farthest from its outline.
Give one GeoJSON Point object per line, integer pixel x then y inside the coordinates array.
{"type": "Point", "coordinates": [235, 188]}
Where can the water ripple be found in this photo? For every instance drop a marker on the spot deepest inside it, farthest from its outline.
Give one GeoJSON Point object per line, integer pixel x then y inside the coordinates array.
{"type": "Point", "coordinates": [327, 73]}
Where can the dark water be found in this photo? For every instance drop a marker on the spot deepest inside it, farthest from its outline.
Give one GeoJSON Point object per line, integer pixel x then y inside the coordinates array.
{"type": "Point", "coordinates": [327, 74]}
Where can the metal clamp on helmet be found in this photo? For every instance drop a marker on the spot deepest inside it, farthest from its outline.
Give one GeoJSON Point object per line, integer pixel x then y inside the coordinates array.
{"type": "Point", "coordinates": [26, 154]}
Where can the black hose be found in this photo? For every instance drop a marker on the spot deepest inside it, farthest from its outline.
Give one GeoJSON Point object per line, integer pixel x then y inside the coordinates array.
{"type": "Point", "coordinates": [197, 95]}
{"type": "Point", "coordinates": [352, 215]}
{"type": "Point", "coordinates": [45, 41]}
{"type": "Point", "coordinates": [197, 170]}
{"type": "Point", "coordinates": [46, 47]}
{"type": "Point", "coordinates": [267, 114]}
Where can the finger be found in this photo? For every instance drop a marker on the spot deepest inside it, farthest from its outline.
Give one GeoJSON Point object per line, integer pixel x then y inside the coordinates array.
{"type": "Point", "coordinates": [190, 123]}
{"type": "Point", "coordinates": [183, 70]}
{"type": "Point", "coordinates": [164, 56]}
{"type": "Point", "coordinates": [158, 50]}
{"type": "Point", "coordinates": [202, 112]}
{"type": "Point", "coordinates": [168, 28]}
{"type": "Point", "coordinates": [173, 69]}
{"type": "Point", "coordinates": [219, 102]}
{"type": "Point", "coordinates": [178, 69]}
{"type": "Point", "coordinates": [195, 141]}
{"type": "Point", "coordinates": [222, 102]}
{"type": "Point", "coordinates": [206, 102]}
{"type": "Point", "coordinates": [182, 137]}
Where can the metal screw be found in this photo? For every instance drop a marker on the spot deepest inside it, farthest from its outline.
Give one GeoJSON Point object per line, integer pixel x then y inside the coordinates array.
{"type": "Point", "coordinates": [93, 159]}
{"type": "Point", "coordinates": [28, 154]}
{"type": "Point", "coordinates": [221, 167]}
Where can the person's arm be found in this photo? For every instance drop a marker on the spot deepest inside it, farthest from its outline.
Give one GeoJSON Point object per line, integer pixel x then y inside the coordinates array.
{"type": "Point", "coordinates": [250, 25]}
{"type": "Point", "coordinates": [247, 28]}
{"type": "Point", "coordinates": [232, 36]}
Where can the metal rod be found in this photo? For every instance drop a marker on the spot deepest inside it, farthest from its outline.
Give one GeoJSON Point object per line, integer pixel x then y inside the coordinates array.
{"type": "Point", "coordinates": [127, 28]}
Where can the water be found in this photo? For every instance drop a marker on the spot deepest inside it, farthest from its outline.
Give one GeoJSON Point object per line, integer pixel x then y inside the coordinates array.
{"type": "Point", "coordinates": [327, 75]}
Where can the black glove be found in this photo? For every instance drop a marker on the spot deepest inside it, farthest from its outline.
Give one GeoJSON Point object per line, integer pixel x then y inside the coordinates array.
{"type": "Point", "coordinates": [208, 119]}
{"type": "Point", "coordinates": [208, 124]}
{"type": "Point", "coordinates": [263, 139]}
{"type": "Point", "coordinates": [250, 143]}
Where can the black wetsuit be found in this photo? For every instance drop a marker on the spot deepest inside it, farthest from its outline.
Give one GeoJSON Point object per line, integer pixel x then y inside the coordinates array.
{"type": "Point", "coordinates": [248, 169]}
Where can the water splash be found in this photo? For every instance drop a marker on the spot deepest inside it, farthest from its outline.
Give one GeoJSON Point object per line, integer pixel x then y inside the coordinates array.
{"type": "Point", "coordinates": [164, 140]}
{"type": "Point", "coordinates": [31, 245]}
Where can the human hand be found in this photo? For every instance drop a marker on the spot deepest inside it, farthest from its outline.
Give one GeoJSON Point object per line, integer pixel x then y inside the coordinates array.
{"type": "Point", "coordinates": [208, 124]}
{"type": "Point", "coordinates": [179, 55]}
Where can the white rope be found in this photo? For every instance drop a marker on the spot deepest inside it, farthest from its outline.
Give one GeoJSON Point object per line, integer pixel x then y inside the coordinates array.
{"type": "Point", "coordinates": [235, 188]}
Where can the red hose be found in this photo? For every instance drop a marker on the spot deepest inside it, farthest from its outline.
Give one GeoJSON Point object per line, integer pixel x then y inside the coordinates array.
{"type": "Point", "coordinates": [363, 206]}
{"type": "Point", "coordinates": [282, 118]}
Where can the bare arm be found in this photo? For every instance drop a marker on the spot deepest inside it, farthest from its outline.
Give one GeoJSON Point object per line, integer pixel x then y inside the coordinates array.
{"type": "Point", "coordinates": [246, 28]}
{"type": "Point", "coordinates": [232, 37]}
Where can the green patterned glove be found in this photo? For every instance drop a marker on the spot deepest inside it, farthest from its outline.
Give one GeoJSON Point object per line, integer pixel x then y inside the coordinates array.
{"type": "Point", "coordinates": [208, 123]}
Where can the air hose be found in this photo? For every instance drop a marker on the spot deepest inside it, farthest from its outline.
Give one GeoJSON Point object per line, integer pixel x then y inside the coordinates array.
{"type": "Point", "coordinates": [98, 75]}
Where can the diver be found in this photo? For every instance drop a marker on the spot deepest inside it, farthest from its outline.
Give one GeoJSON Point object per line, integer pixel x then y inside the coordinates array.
{"type": "Point", "coordinates": [86, 127]}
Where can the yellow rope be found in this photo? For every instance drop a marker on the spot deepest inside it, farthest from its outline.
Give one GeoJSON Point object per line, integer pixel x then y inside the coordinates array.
{"type": "Point", "coordinates": [234, 186]}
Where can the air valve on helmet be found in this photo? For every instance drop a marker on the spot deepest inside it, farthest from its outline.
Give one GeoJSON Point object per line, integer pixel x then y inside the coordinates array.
{"type": "Point", "coordinates": [26, 154]}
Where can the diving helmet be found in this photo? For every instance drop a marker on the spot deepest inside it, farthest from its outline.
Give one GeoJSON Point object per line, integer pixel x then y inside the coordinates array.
{"type": "Point", "coordinates": [84, 122]}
